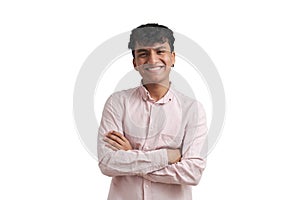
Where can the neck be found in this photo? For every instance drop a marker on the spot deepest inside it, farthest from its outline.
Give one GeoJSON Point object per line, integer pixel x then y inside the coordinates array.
{"type": "Point", "coordinates": [157, 91]}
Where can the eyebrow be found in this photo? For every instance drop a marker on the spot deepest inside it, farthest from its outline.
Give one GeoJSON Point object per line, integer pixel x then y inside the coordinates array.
{"type": "Point", "coordinates": [140, 50]}
{"type": "Point", "coordinates": [160, 47]}
{"type": "Point", "coordinates": [157, 48]}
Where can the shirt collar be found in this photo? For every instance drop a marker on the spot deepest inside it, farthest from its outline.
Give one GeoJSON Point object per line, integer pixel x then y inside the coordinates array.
{"type": "Point", "coordinates": [145, 94]}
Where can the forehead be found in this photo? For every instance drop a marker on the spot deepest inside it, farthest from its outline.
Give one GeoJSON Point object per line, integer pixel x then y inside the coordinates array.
{"type": "Point", "coordinates": [157, 45]}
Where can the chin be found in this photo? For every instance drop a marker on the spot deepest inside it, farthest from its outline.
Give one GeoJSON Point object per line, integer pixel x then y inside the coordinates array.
{"type": "Point", "coordinates": [154, 81]}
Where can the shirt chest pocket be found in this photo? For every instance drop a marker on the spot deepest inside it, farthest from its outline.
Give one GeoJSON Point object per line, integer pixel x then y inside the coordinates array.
{"type": "Point", "coordinates": [166, 140]}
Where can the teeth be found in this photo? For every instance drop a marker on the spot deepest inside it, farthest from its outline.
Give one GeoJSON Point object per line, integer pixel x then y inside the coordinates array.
{"type": "Point", "coordinates": [154, 68]}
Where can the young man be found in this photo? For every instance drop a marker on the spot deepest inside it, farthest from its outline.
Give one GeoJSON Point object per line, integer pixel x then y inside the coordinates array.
{"type": "Point", "coordinates": [152, 139]}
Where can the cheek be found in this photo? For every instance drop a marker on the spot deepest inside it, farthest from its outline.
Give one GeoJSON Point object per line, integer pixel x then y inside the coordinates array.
{"type": "Point", "coordinates": [139, 63]}
{"type": "Point", "coordinates": [140, 70]}
{"type": "Point", "coordinates": [169, 59]}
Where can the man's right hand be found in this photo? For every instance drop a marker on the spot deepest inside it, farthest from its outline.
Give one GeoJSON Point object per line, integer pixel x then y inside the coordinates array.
{"type": "Point", "coordinates": [174, 156]}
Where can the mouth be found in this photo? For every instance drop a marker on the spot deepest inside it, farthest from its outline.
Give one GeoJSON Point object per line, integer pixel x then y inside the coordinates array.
{"type": "Point", "coordinates": [154, 69]}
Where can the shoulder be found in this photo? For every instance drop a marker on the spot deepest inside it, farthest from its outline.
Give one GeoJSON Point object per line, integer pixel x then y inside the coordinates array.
{"type": "Point", "coordinates": [125, 93]}
{"type": "Point", "coordinates": [116, 102]}
{"type": "Point", "coordinates": [186, 101]}
{"type": "Point", "coordinates": [192, 109]}
{"type": "Point", "coordinates": [121, 96]}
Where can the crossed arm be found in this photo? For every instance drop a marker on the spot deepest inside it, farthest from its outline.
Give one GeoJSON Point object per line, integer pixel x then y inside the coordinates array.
{"type": "Point", "coordinates": [181, 169]}
{"type": "Point", "coordinates": [117, 157]}
{"type": "Point", "coordinates": [117, 141]}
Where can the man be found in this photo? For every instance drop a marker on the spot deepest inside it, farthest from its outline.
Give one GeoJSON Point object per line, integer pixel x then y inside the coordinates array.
{"type": "Point", "coordinates": [152, 139]}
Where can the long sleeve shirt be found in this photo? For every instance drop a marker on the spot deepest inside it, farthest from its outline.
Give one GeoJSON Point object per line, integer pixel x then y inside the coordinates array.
{"type": "Point", "coordinates": [173, 122]}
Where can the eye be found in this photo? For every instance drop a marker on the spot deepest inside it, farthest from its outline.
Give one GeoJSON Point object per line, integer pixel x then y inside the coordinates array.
{"type": "Point", "coordinates": [161, 52]}
{"type": "Point", "coordinates": [142, 55]}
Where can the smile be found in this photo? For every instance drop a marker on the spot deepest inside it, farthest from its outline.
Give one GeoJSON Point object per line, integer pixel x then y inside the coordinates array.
{"type": "Point", "coordinates": [154, 68]}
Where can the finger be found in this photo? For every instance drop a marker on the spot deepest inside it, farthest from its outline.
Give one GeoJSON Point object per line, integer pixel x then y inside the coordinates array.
{"type": "Point", "coordinates": [115, 138]}
{"type": "Point", "coordinates": [121, 136]}
{"type": "Point", "coordinates": [111, 147]}
{"type": "Point", "coordinates": [112, 143]}
{"type": "Point", "coordinates": [109, 132]}
{"type": "Point", "coordinates": [124, 139]}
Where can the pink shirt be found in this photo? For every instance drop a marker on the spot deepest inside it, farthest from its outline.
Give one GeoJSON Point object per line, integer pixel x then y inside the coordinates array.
{"type": "Point", "coordinates": [175, 121]}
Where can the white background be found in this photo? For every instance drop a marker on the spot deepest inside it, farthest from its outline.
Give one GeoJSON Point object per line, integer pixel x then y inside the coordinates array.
{"type": "Point", "coordinates": [254, 44]}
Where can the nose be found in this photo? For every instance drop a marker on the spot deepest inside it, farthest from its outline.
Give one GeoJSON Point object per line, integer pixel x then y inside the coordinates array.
{"type": "Point", "coordinates": [152, 58]}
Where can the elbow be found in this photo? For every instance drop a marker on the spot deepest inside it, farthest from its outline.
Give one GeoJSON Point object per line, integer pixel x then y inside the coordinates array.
{"type": "Point", "coordinates": [105, 170]}
{"type": "Point", "coordinates": [196, 173]}
{"type": "Point", "coordinates": [195, 178]}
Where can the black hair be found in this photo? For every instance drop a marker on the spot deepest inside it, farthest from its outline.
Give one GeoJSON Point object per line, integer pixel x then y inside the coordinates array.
{"type": "Point", "coordinates": [148, 34]}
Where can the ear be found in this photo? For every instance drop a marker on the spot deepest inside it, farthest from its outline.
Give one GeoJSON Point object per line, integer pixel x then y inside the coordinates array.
{"type": "Point", "coordinates": [173, 55]}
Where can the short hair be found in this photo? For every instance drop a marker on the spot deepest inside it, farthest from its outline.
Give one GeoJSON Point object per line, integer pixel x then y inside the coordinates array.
{"type": "Point", "coordinates": [149, 34]}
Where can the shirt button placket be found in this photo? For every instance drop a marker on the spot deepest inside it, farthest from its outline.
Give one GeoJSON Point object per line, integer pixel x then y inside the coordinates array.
{"type": "Point", "coordinates": [147, 184]}
{"type": "Point", "coordinates": [150, 121]}
{"type": "Point", "coordinates": [147, 190]}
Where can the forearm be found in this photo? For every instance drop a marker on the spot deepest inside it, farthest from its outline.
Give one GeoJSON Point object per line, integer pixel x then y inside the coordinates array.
{"type": "Point", "coordinates": [117, 158]}
{"type": "Point", "coordinates": [136, 158]}
{"type": "Point", "coordinates": [186, 172]}
{"type": "Point", "coordinates": [132, 162]}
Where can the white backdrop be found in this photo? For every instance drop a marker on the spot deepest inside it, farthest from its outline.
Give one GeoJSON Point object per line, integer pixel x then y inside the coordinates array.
{"type": "Point", "coordinates": [255, 46]}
